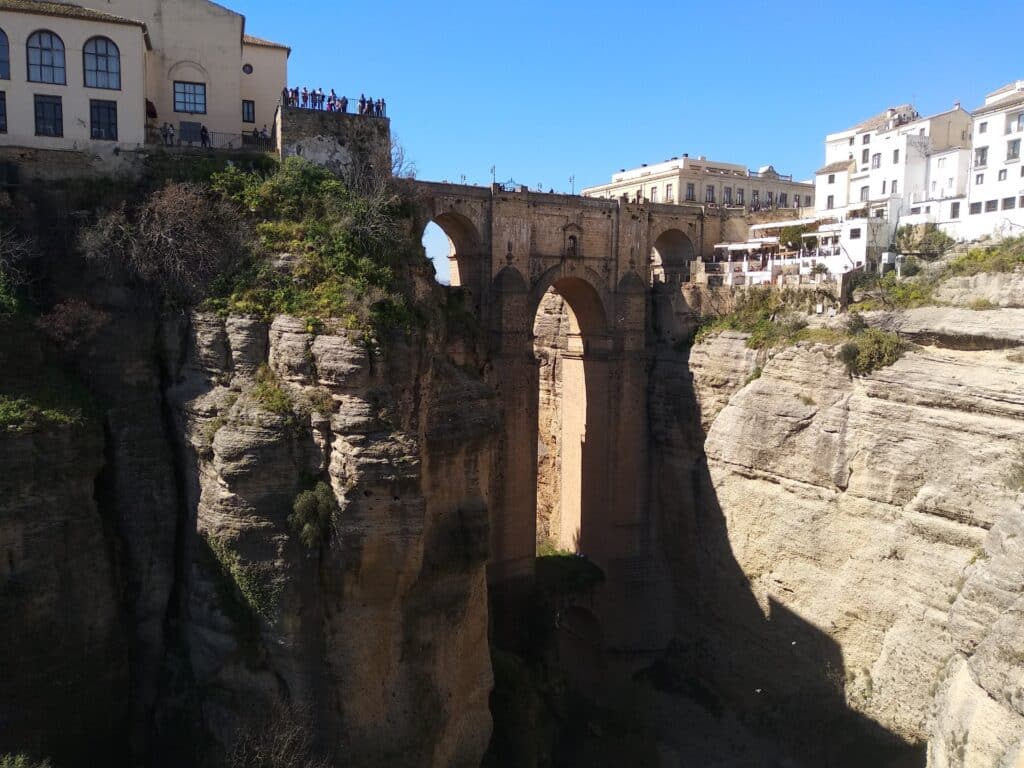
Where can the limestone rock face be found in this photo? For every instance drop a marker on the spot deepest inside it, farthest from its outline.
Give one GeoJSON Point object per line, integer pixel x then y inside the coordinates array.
{"type": "Point", "coordinates": [720, 366]}
{"type": "Point", "coordinates": [65, 678]}
{"type": "Point", "coordinates": [377, 631]}
{"type": "Point", "coordinates": [868, 549]}
{"type": "Point", "coordinates": [1001, 290]}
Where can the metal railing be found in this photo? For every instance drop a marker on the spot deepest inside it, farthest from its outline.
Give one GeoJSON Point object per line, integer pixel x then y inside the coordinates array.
{"type": "Point", "coordinates": [217, 140]}
{"type": "Point", "coordinates": [351, 106]}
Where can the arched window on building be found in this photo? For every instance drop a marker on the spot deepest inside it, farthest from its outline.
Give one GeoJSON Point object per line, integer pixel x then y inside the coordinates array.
{"type": "Point", "coordinates": [102, 64]}
{"type": "Point", "coordinates": [46, 58]}
{"type": "Point", "coordinates": [5, 57]}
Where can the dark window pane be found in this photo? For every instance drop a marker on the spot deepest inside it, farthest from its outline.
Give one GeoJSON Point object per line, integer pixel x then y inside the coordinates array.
{"type": "Point", "coordinates": [248, 111]}
{"type": "Point", "coordinates": [3, 112]}
{"type": "Point", "coordinates": [5, 57]}
{"type": "Point", "coordinates": [103, 120]}
{"type": "Point", "coordinates": [49, 116]}
{"type": "Point", "coordinates": [102, 64]}
{"type": "Point", "coordinates": [45, 58]}
{"type": "Point", "coordinates": [190, 97]}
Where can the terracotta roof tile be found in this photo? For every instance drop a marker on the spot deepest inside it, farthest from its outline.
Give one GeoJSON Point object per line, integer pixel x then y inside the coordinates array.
{"type": "Point", "coordinates": [65, 10]}
{"type": "Point", "coordinates": [253, 40]}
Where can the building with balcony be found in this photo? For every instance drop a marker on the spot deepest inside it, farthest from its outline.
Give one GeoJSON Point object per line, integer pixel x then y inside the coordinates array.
{"type": "Point", "coordinates": [106, 75]}
{"type": "Point", "coordinates": [996, 185]}
{"type": "Point", "coordinates": [699, 181]}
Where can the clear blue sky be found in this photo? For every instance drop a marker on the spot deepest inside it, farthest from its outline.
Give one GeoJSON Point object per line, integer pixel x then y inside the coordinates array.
{"type": "Point", "coordinates": [546, 90]}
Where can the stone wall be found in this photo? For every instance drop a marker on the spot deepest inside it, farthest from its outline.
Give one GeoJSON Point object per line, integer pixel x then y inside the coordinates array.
{"type": "Point", "coordinates": [348, 144]}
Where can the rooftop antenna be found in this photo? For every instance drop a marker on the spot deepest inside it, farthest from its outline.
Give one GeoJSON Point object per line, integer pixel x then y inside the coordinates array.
{"type": "Point", "coordinates": [493, 178]}
{"type": "Point", "coordinates": [572, 181]}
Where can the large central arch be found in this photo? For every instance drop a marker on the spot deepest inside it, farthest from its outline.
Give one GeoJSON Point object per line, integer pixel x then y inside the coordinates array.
{"type": "Point", "coordinates": [570, 334]}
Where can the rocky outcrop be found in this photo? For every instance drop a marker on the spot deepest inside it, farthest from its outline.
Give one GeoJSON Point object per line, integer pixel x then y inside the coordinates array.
{"type": "Point", "coordinates": [376, 631]}
{"type": "Point", "coordinates": [869, 543]}
{"type": "Point", "coordinates": [999, 290]}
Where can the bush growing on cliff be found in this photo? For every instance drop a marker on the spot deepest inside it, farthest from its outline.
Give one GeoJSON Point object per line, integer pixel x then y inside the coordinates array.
{"type": "Point", "coordinates": [346, 247]}
{"type": "Point", "coordinates": [1004, 256]}
{"type": "Point", "coordinates": [22, 760]}
{"type": "Point", "coordinates": [869, 350]}
{"type": "Point", "coordinates": [182, 240]}
{"type": "Point", "coordinates": [312, 514]}
{"type": "Point", "coordinates": [283, 738]}
{"type": "Point", "coordinates": [268, 392]}
{"type": "Point", "coordinates": [15, 254]}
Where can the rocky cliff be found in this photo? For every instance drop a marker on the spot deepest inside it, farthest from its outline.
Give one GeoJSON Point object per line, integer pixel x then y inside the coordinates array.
{"type": "Point", "coordinates": [856, 543]}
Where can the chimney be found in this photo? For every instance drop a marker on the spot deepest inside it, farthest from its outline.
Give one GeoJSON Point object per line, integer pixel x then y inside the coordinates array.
{"type": "Point", "coordinates": [956, 105]}
{"type": "Point", "coordinates": [686, 154]}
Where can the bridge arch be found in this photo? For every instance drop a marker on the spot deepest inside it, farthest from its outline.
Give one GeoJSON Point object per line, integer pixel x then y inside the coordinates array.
{"type": "Point", "coordinates": [671, 254]}
{"type": "Point", "coordinates": [571, 346]}
{"type": "Point", "coordinates": [465, 252]}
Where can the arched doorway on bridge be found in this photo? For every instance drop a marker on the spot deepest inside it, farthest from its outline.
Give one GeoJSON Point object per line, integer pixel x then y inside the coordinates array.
{"type": "Point", "coordinates": [570, 345]}
{"type": "Point", "coordinates": [453, 244]}
{"type": "Point", "coordinates": [671, 255]}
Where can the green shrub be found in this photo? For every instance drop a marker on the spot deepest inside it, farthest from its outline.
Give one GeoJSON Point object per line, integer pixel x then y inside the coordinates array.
{"type": "Point", "coordinates": [869, 350]}
{"type": "Point", "coordinates": [1004, 256]}
{"type": "Point", "coordinates": [911, 266]}
{"type": "Point", "coordinates": [348, 244]}
{"type": "Point", "coordinates": [269, 393]}
{"type": "Point", "coordinates": [855, 323]}
{"type": "Point", "coordinates": [22, 760]}
{"type": "Point", "coordinates": [255, 582]}
{"type": "Point", "coordinates": [981, 304]}
{"type": "Point", "coordinates": [1015, 477]}
{"type": "Point", "coordinates": [44, 396]}
{"type": "Point", "coordinates": [312, 514]}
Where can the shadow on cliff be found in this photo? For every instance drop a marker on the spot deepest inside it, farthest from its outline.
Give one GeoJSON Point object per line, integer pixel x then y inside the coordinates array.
{"type": "Point", "coordinates": [783, 677]}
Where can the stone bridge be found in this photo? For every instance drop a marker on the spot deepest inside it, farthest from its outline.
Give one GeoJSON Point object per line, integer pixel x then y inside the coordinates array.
{"type": "Point", "coordinates": [510, 249]}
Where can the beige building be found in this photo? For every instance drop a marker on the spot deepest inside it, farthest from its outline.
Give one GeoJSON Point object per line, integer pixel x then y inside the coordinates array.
{"type": "Point", "coordinates": [70, 77]}
{"type": "Point", "coordinates": [185, 62]}
{"type": "Point", "coordinates": [701, 181]}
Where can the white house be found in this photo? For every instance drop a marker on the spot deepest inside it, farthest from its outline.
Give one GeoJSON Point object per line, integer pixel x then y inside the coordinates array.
{"type": "Point", "coordinates": [996, 189]}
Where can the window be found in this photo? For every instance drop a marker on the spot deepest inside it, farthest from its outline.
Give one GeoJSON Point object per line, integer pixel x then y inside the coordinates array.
{"type": "Point", "coordinates": [921, 132]}
{"type": "Point", "coordinates": [640, 195]}
{"type": "Point", "coordinates": [895, 156]}
{"type": "Point", "coordinates": [864, 156]}
{"type": "Point", "coordinates": [754, 196]}
{"type": "Point", "coordinates": [915, 210]}
{"type": "Point", "coordinates": [709, 193]}
{"type": "Point", "coordinates": [1009, 202]}
{"type": "Point", "coordinates": [884, 182]}
{"type": "Point", "coordinates": [190, 97]}
{"type": "Point", "coordinates": [771, 198]}
{"type": "Point", "coordinates": [102, 64]}
{"type": "Point", "coordinates": [668, 194]}
{"type": "Point", "coordinates": [103, 120]}
{"type": "Point", "coordinates": [981, 157]}
{"type": "Point", "coordinates": [1013, 150]}
{"type": "Point", "coordinates": [247, 69]}
{"type": "Point", "coordinates": [45, 58]}
{"type": "Point", "coordinates": [739, 195]}
{"type": "Point", "coordinates": [866, 139]}
{"type": "Point", "coordinates": [876, 160]}
{"type": "Point", "coordinates": [851, 141]}
{"type": "Point", "coordinates": [864, 191]}
{"type": "Point", "coordinates": [894, 187]}
{"type": "Point", "coordinates": [49, 116]}
{"type": "Point", "coordinates": [942, 162]}
{"type": "Point", "coordinates": [934, 183]}
{"type": "Point", "coordinates": [855, 233]}
{"type": "Point", "coordinates": [727, 195]}
{"type": "Point", "coordinates": [248, 111]}
{"type": "Point", "coordinates": [691, 192]}
{"type": "Point", "coordinates": [991, 205]}
{"type": "Point", "coordinates": [975, 208]}
{"type": "Point", "coordinates": [1001, 176]}
{"type": "Point", "coordinates": [3, 112]}
{"type": "Point", "coordinates": [831, 178]}
{"type": "Point", "coordinates": [5, 57]}
{"type": "Point", "coordinates": [954, 210]}
{"type": "Point", "coordinates": [830, 202]}
{"type": "Point", "coordinates": [807, 200]}
{"type": "Point", "coordinates": [979, 178]}
{"type": "Point", "coordinates": [982, 127]}
{"type": "Point", "coordinates": [654, 194]}
{"type": "Point", "coordinates": [783, 199]}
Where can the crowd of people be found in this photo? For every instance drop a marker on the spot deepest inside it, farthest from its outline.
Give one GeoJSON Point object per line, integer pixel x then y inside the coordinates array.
{"type": "Point", "coordinates": [315, 98]}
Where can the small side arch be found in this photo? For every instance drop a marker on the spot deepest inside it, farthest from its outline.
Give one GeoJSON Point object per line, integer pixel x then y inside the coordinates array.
{"type": "Point", "coordinates": [671, 255]}
{"type": "Point", "coordinates": [465, 252]}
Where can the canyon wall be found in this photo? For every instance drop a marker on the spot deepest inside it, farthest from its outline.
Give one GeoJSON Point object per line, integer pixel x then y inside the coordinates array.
{"type": "Point", "coordinates": [853, 562]}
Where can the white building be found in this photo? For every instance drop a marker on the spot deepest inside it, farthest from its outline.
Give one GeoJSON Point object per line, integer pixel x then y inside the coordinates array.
{"type": "Point", "coordinates": [697, 180]}
{"type": "Point", "coordinates": [996, 189]}
{"type": "Point", "coordinates": [111, 72]}
{"type": "Point", "coordinates": [892, 169]}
